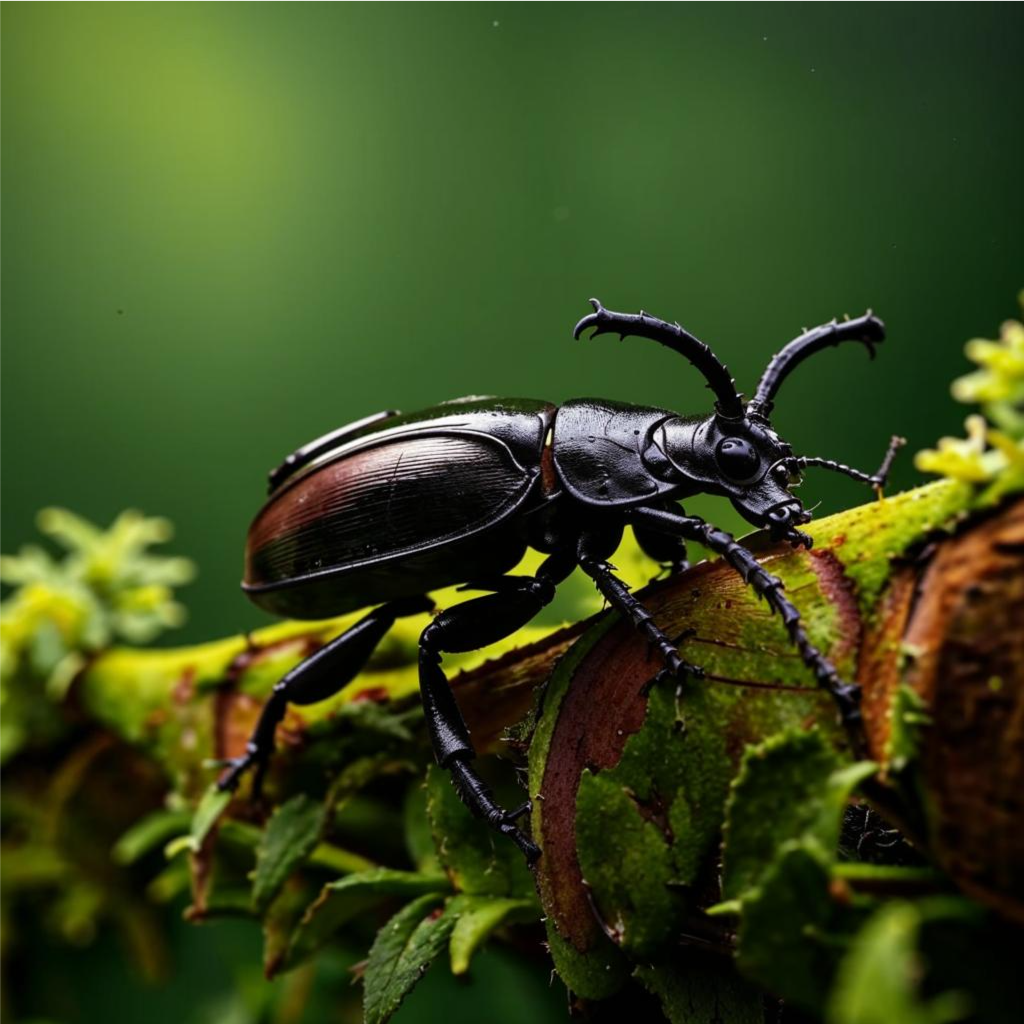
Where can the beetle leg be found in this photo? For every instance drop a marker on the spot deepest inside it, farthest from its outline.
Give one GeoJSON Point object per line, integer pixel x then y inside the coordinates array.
{"type": "Point", "coordinates": [669, 551]}
{"type": "Point", "coordinates": [467, 627]}
{"type": "Point", "coordinates": [320, 676]}
{"type": "Point", "coordinates": [846, 695]}
{"type": "Point", "coordinates": [618, 595]}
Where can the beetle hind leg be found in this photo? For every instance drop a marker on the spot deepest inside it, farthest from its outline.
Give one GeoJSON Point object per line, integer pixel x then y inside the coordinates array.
{"type": "Point", "coordinates": [467, 627]}
{"type": "Point", "coordinates": [320, 676]}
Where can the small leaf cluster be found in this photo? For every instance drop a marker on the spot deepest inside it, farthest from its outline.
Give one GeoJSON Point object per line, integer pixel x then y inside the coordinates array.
{"type": "Point", "coordinates": [992, 453]}
{"type": "Point", "coordinates": [316, 870]}
{"type": "Point", "coordinates": [106, 586]}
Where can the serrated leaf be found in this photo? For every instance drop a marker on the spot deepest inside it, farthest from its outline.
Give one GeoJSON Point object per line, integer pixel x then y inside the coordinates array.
{"type": "Point", "coordinates": [291, 834]}
{"type": "Point", "coordinates": [401, 953]}
{"type": "Point", "coordinates": [479, 917]}
{"type": "Point", "coordinates": [644, 827]}
{"type": "Point", "coordinates": [212, 805]}
{"type": "Point", "coordinates": [477, 859]}
{"type": "Point", "coordinates": [789, 786]}
{"type": "Point", "coordinates": [879, 978]}
{"type": "Point", "coordinates": [626, 861]}
{"type": "Point", "coordinates": [702, 989]}
{"type": "Point", "coordinates": [343, 899]}
{"type": "Point", "coordinates": [794, 926]}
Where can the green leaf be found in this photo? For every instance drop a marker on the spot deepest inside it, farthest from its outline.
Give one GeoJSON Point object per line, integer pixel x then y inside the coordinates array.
{"type": "Point", "coordinates": [879, 979]}
{"type": "Point", "coordinates": [702, 989]}
{"type": "Point", "coordinates": [480, 916]}
{"type": "Point", "coordinates": [290, 837]}
{"type": "Point", "coordinates": [212, 805]}
{"type": "Point", "coordinates": [342, 900]}
{"type": "Point", "coordinates": [477, 859]}
{"type": "Point", "coordinates": [791, 785]}
{"type": "Point", "coordinates": [279, 921]}
{"type": "Point", "coordinates": [419, 840]}
{"type": "Point", "coordinates": [401, 954]}
{"type": "Point", "coordinates": [644, 827]}
{"type": "Point", "coordinates": [150, 832]}
{"type": "Point", "coordinates": [795, 926]}
{"type": "Point", "coordinates": [627, 862]}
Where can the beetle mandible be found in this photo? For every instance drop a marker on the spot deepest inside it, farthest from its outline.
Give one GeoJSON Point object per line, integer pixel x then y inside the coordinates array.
{"type": "Point", "coordinates": [391, 507]}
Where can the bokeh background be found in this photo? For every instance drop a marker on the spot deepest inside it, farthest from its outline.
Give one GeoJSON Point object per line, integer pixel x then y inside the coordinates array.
{"type": "Point", "coordinates": [229, 228]}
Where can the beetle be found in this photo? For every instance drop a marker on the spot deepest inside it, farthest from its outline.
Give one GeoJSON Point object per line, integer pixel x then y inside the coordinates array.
{"type": "Point", "coordinates": [391, 507]}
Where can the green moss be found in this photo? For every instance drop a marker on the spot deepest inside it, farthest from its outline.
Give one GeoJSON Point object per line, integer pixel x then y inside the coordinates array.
{"type": "Point", "coordinates": [866, 539]}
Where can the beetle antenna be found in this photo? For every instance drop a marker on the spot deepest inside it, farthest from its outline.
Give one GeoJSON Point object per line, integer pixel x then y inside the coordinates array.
{"type": "Point", "coordinates": [643, 325]}
{"type": "Point", "coordinates": [876, 479]}
{"type": "Point", "coordinates": [867, 329]}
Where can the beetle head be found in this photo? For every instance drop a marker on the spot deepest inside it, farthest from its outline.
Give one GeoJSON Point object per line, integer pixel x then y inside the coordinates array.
{"type": "Point", "coordinates": [742, 459]}
{"type": "Point", "coordinates": [735, 452]}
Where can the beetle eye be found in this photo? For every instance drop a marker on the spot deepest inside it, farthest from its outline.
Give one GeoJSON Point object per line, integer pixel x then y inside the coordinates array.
{"type": "Point", "coordinates": [787, 472]}
{"type": "Point", "coordinates": [738, 458]}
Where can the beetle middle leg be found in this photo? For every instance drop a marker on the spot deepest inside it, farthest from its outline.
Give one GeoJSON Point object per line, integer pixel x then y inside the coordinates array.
{"type": "Point", "coordinates": [619, 596]}
{"type": "Point", "coordinates": [846, 695]}
{"type": "Point", "coordinates": [467, 627]}
{"type": "Point", "coordinates": [666, 549]}
{"type": "Point", "coordinates": [320, 676]}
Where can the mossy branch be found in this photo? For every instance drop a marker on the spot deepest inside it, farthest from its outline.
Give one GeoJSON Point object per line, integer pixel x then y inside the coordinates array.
{"type": "Point", "coordinates": [705, 816]}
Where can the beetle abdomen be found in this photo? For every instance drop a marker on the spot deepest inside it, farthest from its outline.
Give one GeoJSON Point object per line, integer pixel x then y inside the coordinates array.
{"type": "Point", "coordinates": [362, 528]}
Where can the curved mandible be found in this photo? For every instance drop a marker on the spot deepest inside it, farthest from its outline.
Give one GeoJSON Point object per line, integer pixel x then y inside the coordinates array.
{"type": "Point", "coordinates": [867, 329]}
{"type": "Point", "coordinates": [729, 402]}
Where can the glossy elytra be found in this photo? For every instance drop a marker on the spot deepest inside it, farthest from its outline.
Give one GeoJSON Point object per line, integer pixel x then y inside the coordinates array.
{"type": "Point", "coordinates": [394, 506]}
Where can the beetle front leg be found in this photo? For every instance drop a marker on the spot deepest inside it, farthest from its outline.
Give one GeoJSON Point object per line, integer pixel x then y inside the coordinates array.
{"type": "Point", "coordinates": [320, 676]}
{"type": "Point", "coordinates": [846, 695]}
{"type": "Point", "coordinates": [468, 627]}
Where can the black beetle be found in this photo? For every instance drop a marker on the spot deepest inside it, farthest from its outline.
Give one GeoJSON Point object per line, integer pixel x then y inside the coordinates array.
{"type": "Point", "coordinates": [394, 506]}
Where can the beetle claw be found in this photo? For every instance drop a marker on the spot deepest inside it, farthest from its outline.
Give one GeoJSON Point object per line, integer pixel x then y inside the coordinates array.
{"type": "Point", "coordinates": [800, 539]}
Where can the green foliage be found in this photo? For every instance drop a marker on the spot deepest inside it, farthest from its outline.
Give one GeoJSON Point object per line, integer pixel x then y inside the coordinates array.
{"type": "Point", "coordinates": [792, 785]}
{"type": "Point", "coordinates": [473, 856]}
{"type": "Point", "coordinates": [718, 826]}
{"type": "Point", "coordinates": [880, 979]}
{"type": "Point", "coordinates": [993, 451]}
{"type": "Point", "coordinates": [792, 929]}
{"type": "Point", "coordinates": [706, 991]}
{"type": "Point", "coordinates": [479, 918]}
{"type": "Point", "coordinates": [212, 805]}
{"type": "Point", "coordinates": [289, 838]}
{"type": "Point", "coordinates": [341, 900]}
{"type": "Point", "coordinates": [107, 586]}
{"type": "Point", "coordinates": [402, 952]}
{"type": "Point", "coordinates": [645, 826]}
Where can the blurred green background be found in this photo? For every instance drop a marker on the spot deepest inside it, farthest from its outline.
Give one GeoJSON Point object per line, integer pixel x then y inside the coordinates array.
{"type": "Point", "coordinates": [229, 228]}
